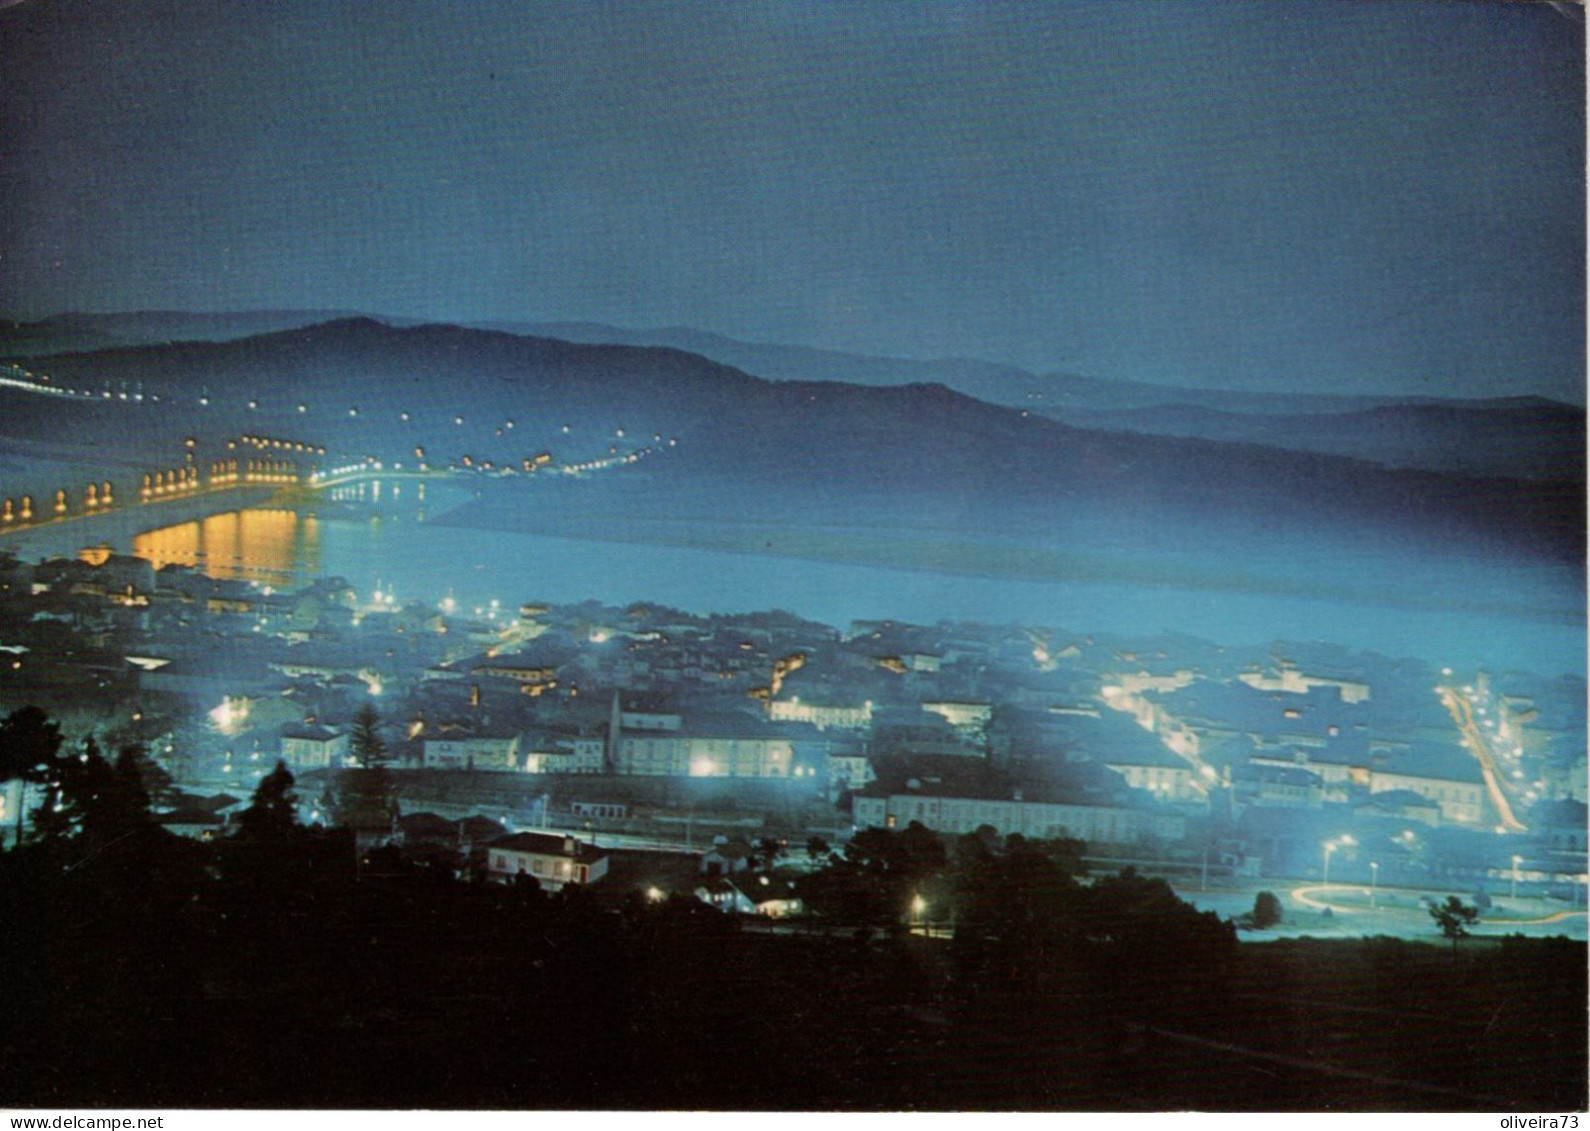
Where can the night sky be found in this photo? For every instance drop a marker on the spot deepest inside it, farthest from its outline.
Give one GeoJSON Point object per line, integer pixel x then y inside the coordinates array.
{"type": "Point", "coordinates": [1345, 197]}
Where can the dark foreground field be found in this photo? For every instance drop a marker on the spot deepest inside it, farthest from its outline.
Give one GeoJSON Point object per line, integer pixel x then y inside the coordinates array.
{"type": "Point", "coordinates": [159, 977]}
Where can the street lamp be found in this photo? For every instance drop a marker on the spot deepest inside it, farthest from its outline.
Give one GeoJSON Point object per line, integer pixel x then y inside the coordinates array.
{"type": "Point", "coordinates": [1330, 847]}
{"type": "Point", "coordinates": [918, 906]}
{"type": "Point", "coordinates": [1374, 882]}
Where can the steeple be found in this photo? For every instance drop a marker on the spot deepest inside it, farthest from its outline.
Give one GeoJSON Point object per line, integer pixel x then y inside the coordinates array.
{"type": "Point", "coordinates": [615, 728]}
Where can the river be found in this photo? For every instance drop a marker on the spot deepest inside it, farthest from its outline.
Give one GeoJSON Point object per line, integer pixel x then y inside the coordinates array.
{"type": "Point", "coordinates": [388, 536]}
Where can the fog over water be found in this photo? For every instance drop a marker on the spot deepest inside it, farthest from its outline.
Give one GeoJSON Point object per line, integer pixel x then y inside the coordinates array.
{"type": "Point", "coordinates": [427, 558]}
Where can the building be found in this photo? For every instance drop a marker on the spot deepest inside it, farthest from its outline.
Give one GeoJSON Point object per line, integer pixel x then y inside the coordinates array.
{"type": "Point", "coordinates": [727, 856]}
{"type": "Point", "coordinates": [1402, 804]}
{"type": "Point", "coordinates": [848, 770]}
{"type": "Point", "coordinates": [843, 716]}
{"type": "Point", "coordinates": [1289, 678]}
{"type": "Point", "coordinates": [732, 746]}
{"type": "Point", "coordinates": [716, 745]}
{"type": "Point", "coordinates": [520, 671]}
{"type": "Point", "coordinates": [562, 754]}
{"type": "Point", "coordinates": [309, 746]}
{"type": "Point", "coordinates": [479, 748]}
{"type": "Point", "coordinates": [554, 861]}
{"type": "Point", "coordinates": [760, 894]}
{"type": "Point", "coordinates": [11, 805]}
{"type": "Point", "coordinates": [1562, 823]}
{"type": "Point", "coordinates": [193, 823]}
{"type": "Point", "coordinates": [1461, 801]}
{"type": "Point", "coordinates": [956, 810]}
{"type": "Point", "coordinates": [1276, 787]}
{"type": "Point", "coordinates": [1161, 773]}
{"type": "Point", "coordinates": [962, 716]}
{"type": "Point", "coordinates": [120, 573]}
{"type": "Point", "coordinates": [1443, 775]}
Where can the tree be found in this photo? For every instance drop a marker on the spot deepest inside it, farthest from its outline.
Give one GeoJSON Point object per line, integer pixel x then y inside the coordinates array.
{"type": "Point", "coordinates": [366, 745]}
{"type": "Point", "coordinates": [157, 781]}
{"type": "Point", "coordinates": [125, 806]}
{"type": "Point", "coordinates": [29, 741]}
{"type": "Point", "coordinates": [768, 850]}
{"type": "Point", "coordinates": [1266, 910]}
{"type": "Point", "coordinates": [92, 802]}
{"type": "Point", "coordinates": [1454, 917]}
{"type": "Point", "coordinates": [363, 799]}
{"type": "Point", "coordinates": [910, 854]}
{"type": "Point", "coordinates": [877, 876]}
{"type": "Point", "coordinates": [272, 815]}
{"type": "Point", "coordinates": [153, 778]}
{"type": "Point", "coordinates": [817, 849]}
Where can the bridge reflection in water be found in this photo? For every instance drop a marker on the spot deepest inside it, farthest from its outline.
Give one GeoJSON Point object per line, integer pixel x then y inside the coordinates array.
{"type": "Point", "coordinates": [271, 546]}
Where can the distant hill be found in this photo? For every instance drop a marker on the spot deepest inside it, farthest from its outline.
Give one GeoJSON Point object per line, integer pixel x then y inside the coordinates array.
{"type": "Point", "coordinates": [792, 448]}
{"type": "Point", "coordinates": [1001, 383]}
{"type": "Point", "coordinates": [990, 381]}
{"type": "Point", "coordinates": [78, 332]}
{"type": "Point", "coordinates": [1524, 437]}
{"type": "Point", "coordinates": [1529, 437]}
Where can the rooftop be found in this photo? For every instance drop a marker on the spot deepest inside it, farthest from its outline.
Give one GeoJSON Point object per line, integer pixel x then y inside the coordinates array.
{"type": "Point", "coordinates": [549, 844]}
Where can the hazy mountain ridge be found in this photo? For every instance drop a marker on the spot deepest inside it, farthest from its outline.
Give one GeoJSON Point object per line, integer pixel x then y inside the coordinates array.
{"type": "Point", "coordinates": [74, 331]}
{"type": "Point", "coordinates": [1528, 437]}
{"type": "Point", "coordinates": [987, 380]}
{"type": "Point", "coordinates": [993, 381]}
{"type": "Point", "coordinates": [1524, 437]}
{"type": "Point", "coordinates": [821, 444]}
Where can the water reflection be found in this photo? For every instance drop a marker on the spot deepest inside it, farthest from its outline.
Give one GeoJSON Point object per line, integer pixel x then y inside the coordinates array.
{"type": "Point", "coordinates": [266, 545]}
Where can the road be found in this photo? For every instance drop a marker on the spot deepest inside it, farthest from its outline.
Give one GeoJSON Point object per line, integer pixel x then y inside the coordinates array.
{"type": "Point", "coordinates": [1463, 715]}
{"type": "Point", "coordinates": [1318, 897]}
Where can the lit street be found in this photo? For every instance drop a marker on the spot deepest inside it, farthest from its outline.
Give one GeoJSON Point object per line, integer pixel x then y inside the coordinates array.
{"type": "Point", "coordinates": [1463, 715]}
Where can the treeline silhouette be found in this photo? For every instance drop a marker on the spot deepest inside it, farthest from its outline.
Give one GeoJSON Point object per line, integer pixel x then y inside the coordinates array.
{"type": "Point", "coordinates": [279, 967]}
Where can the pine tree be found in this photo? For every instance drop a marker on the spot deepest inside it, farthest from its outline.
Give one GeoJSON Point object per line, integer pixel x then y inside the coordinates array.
{"type": "Point", "coordinates": [273, 813]}
{"type": "Point", "coordinates": [363, 798]}
{"type": "Point", "coordinates": [366, 745]}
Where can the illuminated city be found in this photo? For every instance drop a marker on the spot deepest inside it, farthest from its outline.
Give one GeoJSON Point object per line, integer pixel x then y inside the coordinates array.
{"type": "Point", "coordinates": [1067, 616]}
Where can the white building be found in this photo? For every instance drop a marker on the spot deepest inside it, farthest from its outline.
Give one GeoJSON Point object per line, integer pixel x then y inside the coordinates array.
{"type": "Point", "coordinates": [1165, 779]}
{"type": "Point", "coordinates": [751, 894]}
{"type": "Point", "coordinates": [962, 716]}
{"type": "Point", "coordinates": [820, 715]}
{"type": "Point", "coordinates": [958, 814]}
{"type": "Point", "coordinates": [308, 746]}
{"type": "Point", "coordinates": [579, 756]}
{"type": "Point", "coordinates": [482, 750]}
{"type": "Point", "coordinates": [554, 861]}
